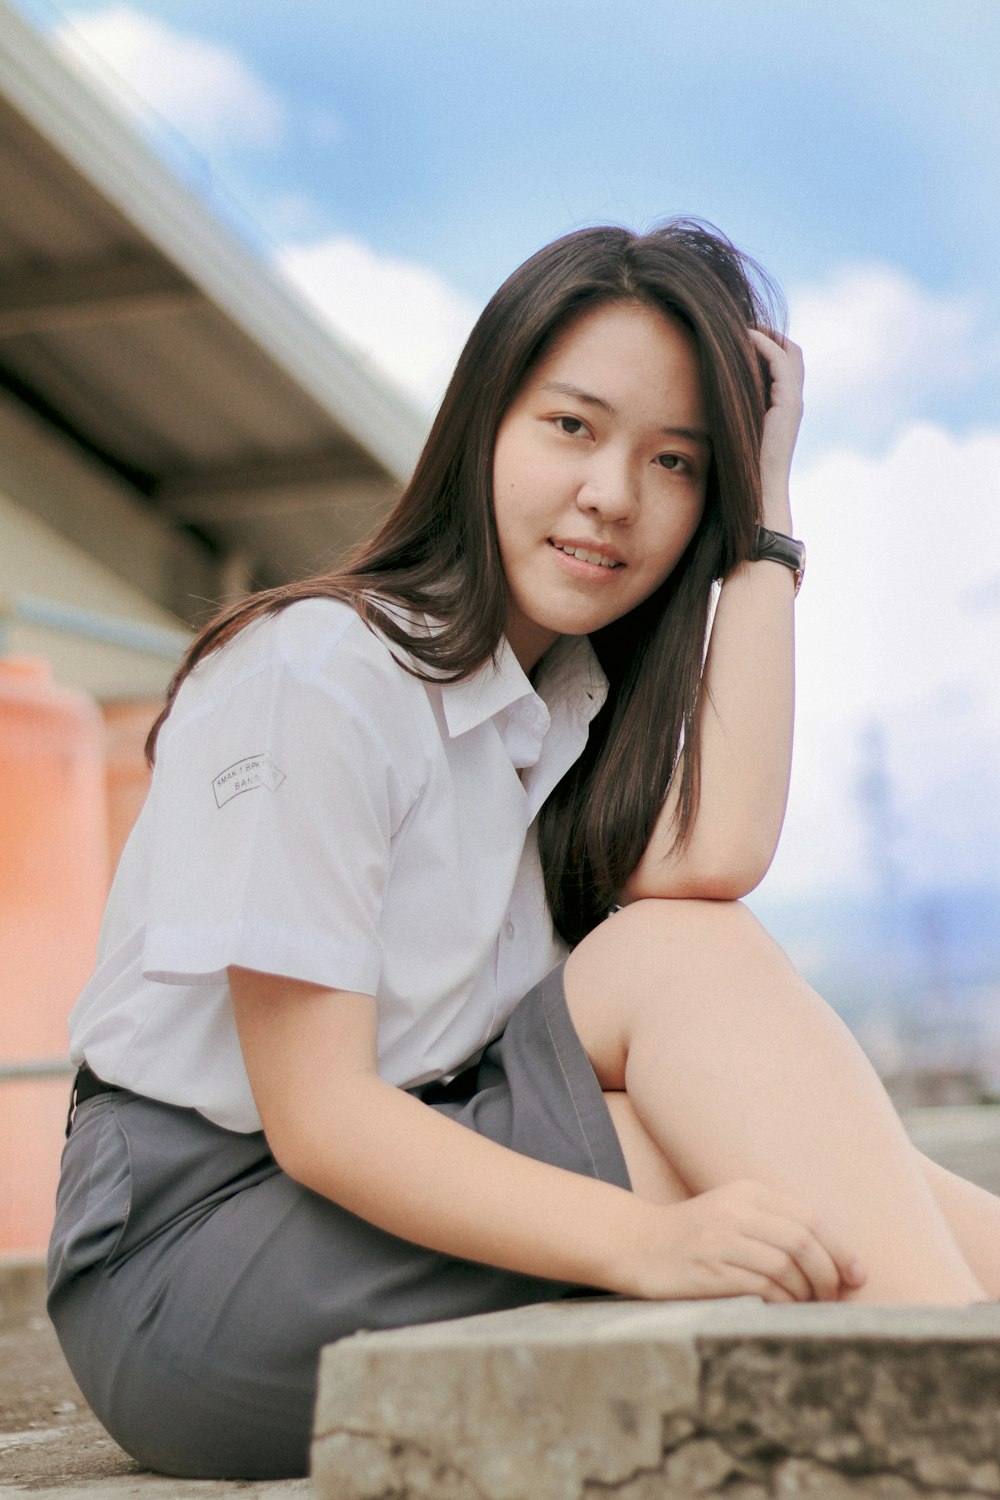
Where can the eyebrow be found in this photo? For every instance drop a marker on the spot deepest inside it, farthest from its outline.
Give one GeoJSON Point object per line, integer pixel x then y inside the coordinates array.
{"type": "Point", "coordinates": [564, 388]}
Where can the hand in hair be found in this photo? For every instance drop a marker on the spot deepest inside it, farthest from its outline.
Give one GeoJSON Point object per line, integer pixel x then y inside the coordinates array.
{"type": "Point", "coordinates": [781, 426]}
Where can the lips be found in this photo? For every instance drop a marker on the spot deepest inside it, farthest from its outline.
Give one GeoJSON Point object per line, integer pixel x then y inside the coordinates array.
{"type": "Point", "coordinates": [580, 550]}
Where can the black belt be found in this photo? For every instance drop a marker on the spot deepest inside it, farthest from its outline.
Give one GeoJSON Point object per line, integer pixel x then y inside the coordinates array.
{"type": "Point", "coordinates": [87, 1085]}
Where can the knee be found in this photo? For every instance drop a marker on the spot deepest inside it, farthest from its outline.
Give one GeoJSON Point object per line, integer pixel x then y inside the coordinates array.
{"type": "Point", "coordinates": [673, 920]}
{"type": "Point", "coordinates": [656, 958]}
{"type": "Point", "coordinates": [666, 936]}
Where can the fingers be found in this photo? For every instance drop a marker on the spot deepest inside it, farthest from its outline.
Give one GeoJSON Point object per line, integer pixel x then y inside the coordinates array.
{"type": "Point", "coordinates": [785, 367]}
{"type": "Point", "coordinates": [781, 1262]}
{"type": "Point", "coordinates": [791, 1247]}
{"type": "Point", "coordinates": [781, 424]}
{"type": "Point", "coordinates": [828, 1271]}
{"type": "Point", "coordinates": [746, 1283]}
{"type": "Point", "coordinates": [730, 1241]}
{"type": "Point", "coordinates": [774, 350]}
{"type": "Point", "coordinates": [805, 1271]}
{"type": "Point", "coordinates": [818, 1250]}
{"type": "Point", "coordinates": [794, 1257]}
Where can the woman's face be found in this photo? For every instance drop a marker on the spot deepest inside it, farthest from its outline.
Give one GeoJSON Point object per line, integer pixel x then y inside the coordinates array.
{"type": "Point", "coordinates": [599, 473]}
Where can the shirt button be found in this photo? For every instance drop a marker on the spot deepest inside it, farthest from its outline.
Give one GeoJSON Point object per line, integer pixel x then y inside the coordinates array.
{"type": "Point", "coordinates": [508, 928]}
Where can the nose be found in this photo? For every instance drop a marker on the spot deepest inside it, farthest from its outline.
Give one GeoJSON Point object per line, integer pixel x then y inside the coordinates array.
{"type": "Point", "coordinates": [609, 488]}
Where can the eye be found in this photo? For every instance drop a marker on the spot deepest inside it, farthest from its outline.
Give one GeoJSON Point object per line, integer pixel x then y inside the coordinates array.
{"type": "Point", "coordinates": [571, 426]}
{"type": "Point", "coordinates": [674, 463]}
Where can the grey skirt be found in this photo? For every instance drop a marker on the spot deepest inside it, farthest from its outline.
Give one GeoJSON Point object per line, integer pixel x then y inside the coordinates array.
{"type": "Point", "coordinates": [192, 1283]}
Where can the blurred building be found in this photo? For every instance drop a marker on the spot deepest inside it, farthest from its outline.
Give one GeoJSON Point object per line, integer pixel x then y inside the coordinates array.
{"type": "Point", "coordinates": [174, 426]}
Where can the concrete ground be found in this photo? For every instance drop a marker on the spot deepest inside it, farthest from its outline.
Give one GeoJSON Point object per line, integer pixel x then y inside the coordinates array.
{"type": "Point", "coordinates": [53, 1448]}
{"type": "Point", "coordinates": [51, 1445]}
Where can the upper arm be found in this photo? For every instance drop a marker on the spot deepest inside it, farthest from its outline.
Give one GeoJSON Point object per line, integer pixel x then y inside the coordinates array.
{"type": "Point", "coordinates": [302, 1043]}
{"type": "Point", "coordinates": [275, 801]}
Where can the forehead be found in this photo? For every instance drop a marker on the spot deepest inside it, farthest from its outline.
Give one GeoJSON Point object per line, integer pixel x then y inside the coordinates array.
{"type": "Point", "coordinates": [624, 348]}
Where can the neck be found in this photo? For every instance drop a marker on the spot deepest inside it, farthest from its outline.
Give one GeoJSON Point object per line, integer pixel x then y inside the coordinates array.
{"type": "Point", "coordinates": [529, 643]}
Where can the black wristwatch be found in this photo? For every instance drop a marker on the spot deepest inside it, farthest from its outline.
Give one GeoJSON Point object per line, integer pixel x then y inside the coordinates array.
{"type": "Point", "coordinates": [776, 547]}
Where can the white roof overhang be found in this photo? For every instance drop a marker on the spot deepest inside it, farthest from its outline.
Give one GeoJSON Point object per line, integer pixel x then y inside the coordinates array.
{"type": "Point", "coordinates": [138, 328]}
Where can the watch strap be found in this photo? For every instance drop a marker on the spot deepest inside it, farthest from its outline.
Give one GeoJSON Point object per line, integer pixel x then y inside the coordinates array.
{"type": "Point", "coordinates": [774, 546]}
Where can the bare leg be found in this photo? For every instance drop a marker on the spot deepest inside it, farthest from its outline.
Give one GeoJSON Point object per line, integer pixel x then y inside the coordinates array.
{"type": "Point", "coordinates": [652, 1175]}
{"type": "Point", "coordinates": [737, 1069]}
{"type": "Point", "coordinates": [973, 1217]}
{"type": "Point", "coordinates": [973, 1214]}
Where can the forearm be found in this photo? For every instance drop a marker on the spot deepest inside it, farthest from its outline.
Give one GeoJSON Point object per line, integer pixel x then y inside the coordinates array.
{"type": "Point", "coordinates": [403, 1166]}
{"type": "Point", "coordinates": [745, 727]}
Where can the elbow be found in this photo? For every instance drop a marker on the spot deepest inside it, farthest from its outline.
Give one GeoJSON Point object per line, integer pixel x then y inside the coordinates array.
{"type": "Point", "coordinates": [311, 1166]}
{"type": "Point", "coordinates": [318, 1147]}
{"type": "Point", "coordinates": [289, 1152]}
{"type": "Point", "coordinates": [298, 1152]}
{"type": "Point", "coordinates": [734, 875]}
{"type": "Point", "coordinates": [728, 884]}
{"type": "Point", "coordinates": [737, 871]}
{"type": "Point", "coordinates": [725, 874]}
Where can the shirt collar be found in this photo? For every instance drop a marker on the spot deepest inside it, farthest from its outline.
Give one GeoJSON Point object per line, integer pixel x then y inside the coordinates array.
{"type": "Point", "coordinates": [570, 680]}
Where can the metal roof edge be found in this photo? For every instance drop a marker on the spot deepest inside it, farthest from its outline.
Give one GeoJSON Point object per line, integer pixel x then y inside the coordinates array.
{"type": "Point", "coordinates": [100, 145]}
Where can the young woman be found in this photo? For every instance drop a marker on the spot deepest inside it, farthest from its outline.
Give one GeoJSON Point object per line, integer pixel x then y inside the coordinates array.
{"type": "Point", "coordinates": [336, 1070]}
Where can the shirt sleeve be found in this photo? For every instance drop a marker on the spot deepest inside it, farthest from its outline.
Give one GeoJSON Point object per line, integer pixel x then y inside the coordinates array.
{"type": "Point", "coordinates": [274, 809]}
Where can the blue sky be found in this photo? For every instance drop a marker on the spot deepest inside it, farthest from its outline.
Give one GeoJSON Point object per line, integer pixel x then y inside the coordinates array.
{"type": "Point", "coordinates": [463, 135]}
{"type": "Point", "coordinates": [397, 160]}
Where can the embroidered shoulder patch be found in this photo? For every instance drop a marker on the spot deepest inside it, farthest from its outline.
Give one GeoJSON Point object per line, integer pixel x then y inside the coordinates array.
{"type": "Point", "coordinates": [245, 776]}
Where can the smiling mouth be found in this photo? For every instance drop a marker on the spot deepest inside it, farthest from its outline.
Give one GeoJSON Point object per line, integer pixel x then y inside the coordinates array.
{"type": "Point", "coordinates": [586, 555]}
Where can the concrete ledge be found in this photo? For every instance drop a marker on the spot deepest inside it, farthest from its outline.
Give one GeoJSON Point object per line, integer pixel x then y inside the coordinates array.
{"type": "Point", "coordinates": [604, 1397]}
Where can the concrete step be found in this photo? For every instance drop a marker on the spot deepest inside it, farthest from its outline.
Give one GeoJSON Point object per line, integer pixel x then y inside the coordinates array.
{"type": "Point", "coordinates": [639, 1401]}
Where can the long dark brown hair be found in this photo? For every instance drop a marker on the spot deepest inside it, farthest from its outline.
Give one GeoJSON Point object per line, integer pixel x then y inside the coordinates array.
{"type": "Point", "coordinates": [437, 552]}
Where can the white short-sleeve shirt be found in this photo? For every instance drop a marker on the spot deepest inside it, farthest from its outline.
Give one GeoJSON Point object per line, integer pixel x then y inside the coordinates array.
{"type": "Point", "coordinates": [319, 812]}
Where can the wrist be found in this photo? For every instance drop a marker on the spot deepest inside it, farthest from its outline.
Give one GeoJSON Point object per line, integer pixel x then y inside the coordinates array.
{"type": "Point", "coordinates": [776, 514]}
{"type": "Point", "coordinates": [782, 548]}
{"type": "Point", "coordinates": [637, 1260]}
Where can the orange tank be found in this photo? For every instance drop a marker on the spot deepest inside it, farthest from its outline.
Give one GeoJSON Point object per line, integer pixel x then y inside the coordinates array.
{"type": "Point", "coordinates": [53, 880]}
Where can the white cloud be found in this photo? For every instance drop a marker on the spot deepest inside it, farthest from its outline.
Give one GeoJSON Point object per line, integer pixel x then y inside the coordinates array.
{"type": "Point", "coordinates": [898, 624]}
{"type": "Point", "coordinates": [403, 316]}
{"type": "Point", "coordinates": [880, 348]}
{"type": "Point", "coordinates": [203, 89]}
